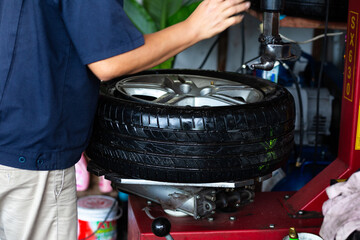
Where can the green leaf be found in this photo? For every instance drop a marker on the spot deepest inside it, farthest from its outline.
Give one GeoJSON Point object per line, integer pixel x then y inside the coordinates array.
{"type": "Point", "coordinates": [183, 13]}
{"type": "Point", "coordinates": [161, 10]}
{"type": "Point", "coordinates": [139, 16]}
{"type": "Point", "coordinates": [173, 6]}
{"type": "Point", "coordinates": [154, 15]}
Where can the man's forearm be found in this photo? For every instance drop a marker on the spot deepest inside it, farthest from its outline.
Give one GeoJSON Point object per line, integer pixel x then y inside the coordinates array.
{"type": "Point", "coordinates": [210, 18]}
{"type": "Point", "coordinates": [158, 47]}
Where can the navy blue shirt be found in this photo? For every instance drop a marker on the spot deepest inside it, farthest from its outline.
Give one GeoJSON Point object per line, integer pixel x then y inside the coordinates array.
{"type": "Point", "coordinates": [47, 94]}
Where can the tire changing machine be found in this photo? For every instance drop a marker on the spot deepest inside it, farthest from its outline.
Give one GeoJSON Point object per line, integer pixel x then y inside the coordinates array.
{"type": "Point", "coordinates": [269, 215]}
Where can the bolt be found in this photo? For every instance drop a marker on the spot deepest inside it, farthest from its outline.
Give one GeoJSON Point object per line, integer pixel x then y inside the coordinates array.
{"type": "Point", "coordinates": [207, 207]}
{"type": "Point", "coordinates": [210, 219]}
{"type": "Point", "coordinates": [197, 217]}
{"type": "Point", "coordinates": [232, 218]}
{"type": "Point", "coordinates": [148, 202]}
{"type": "Point", "coordinates": [300, 212]}
{"type": "Point", "coordinates": [213, 212]}
{"type": "Point", "coordinates": [210, 198]}
{"type": "Point", "coordinates": [272, 226]}
{"type": "Point", "coordinates": [198, 197]}
{"type": "Point", "coordinates": [286, 197]}
{"type": "Point", "coordinates": [237, 205]}
{"type": "Point", "coordinates": [213, 192]}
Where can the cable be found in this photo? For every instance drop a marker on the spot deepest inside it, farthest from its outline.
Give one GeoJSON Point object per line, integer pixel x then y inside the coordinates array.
{"type": "Point", "coordinates": [243, 45]}
{"type": "Point", "coordinates": [299, 160]}
{"type": "Point", "coordinates": [324, 56]}
{"type": "Point", "coordinates": [312, 39]}
{"type": "Point", "coordinates": [209, 52]}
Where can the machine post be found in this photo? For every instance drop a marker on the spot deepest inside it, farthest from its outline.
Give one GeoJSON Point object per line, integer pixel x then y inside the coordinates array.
{"type": "Point", "coordinates": [312, 195]}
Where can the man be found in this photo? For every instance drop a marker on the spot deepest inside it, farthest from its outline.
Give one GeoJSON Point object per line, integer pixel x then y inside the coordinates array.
{"type": "Point", "coordinates": [52, 53]}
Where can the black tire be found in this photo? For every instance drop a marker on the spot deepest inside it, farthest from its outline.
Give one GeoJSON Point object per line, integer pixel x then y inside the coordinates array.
{"type": "Point", "coordinates": [314, 9]}
{"type": "Point", "coordinates": [203, 144]}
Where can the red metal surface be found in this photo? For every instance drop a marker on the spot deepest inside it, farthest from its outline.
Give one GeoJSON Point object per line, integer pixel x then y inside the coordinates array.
{"type": "Point", "coordinates": [252, 221]}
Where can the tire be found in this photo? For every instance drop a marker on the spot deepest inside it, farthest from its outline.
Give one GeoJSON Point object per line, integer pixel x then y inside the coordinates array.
{"type": "Point", "coordinates": [141, 139]}
{"type": "Point", "coordinates": [314, 9]}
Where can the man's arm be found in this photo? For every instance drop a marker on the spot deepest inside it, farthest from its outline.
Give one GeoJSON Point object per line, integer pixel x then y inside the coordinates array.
{"type": "Point", "coordinates": [210, 18]}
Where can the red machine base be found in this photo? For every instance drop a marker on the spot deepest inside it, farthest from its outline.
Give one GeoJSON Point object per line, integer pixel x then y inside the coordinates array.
{"type": "Point", "coordinates": [266, 218]}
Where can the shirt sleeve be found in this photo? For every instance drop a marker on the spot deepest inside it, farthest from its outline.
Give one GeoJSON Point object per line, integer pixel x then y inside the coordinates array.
{"type": "Point", "coordinates": [99, 29]}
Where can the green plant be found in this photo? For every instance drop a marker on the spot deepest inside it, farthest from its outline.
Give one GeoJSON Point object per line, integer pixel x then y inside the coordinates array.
{"type": "Point", "coordinates": [154, 15]}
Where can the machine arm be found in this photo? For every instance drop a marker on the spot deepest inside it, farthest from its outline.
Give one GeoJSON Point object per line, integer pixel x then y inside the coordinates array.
{"type": "Point", "coordinates": [272, 47]}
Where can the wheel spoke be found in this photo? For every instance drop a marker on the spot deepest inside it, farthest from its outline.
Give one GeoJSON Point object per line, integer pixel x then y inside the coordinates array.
{"type": "Point", "coordinates": [180, 98]}
{"type": "Point", "coordinates": [232, 88]}
{"type": "Point", "coordinates": [144, 90]}
{"type": "Point", "coordinates": [245, 93]}
{"type": "Point", "coordinates": [226, 99]}
{"type": "Point", "coordinates": [177, 83]}
{"type": "Point", "coordinates": [189, 81]}
{"type": "Point", "coordinates": [165, 98]}
{"type": "Point", "coordinates": [140, 85]}
{"type": "Point", "coordinates": [172, 82]}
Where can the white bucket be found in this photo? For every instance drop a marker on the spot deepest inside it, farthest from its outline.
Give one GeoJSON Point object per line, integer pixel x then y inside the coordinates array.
{"type": "Point", "coordinates": [97, 217]}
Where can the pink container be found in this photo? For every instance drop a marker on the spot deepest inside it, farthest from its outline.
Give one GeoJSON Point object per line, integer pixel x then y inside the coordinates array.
{"type": "Point", "coordinates": [82, 175]}
{"type": "Point", "coordinates": [104, 185]}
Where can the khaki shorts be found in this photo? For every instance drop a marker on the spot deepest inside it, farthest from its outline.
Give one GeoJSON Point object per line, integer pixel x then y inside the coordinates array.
{"type": "Point", "coordinates": [37, 204]}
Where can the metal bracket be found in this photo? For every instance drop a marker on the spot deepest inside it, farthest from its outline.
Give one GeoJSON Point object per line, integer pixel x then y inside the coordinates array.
{"type": "Point", "coordinates": [119, 179]}
{"type": "Point", "coordinates": [275, 52]}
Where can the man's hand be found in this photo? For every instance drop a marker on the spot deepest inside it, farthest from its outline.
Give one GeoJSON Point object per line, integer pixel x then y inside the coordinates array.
{"type": "Point", "coordinates": [214, 16]}
{"type": "Point", "coordinates": [210, 18]}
